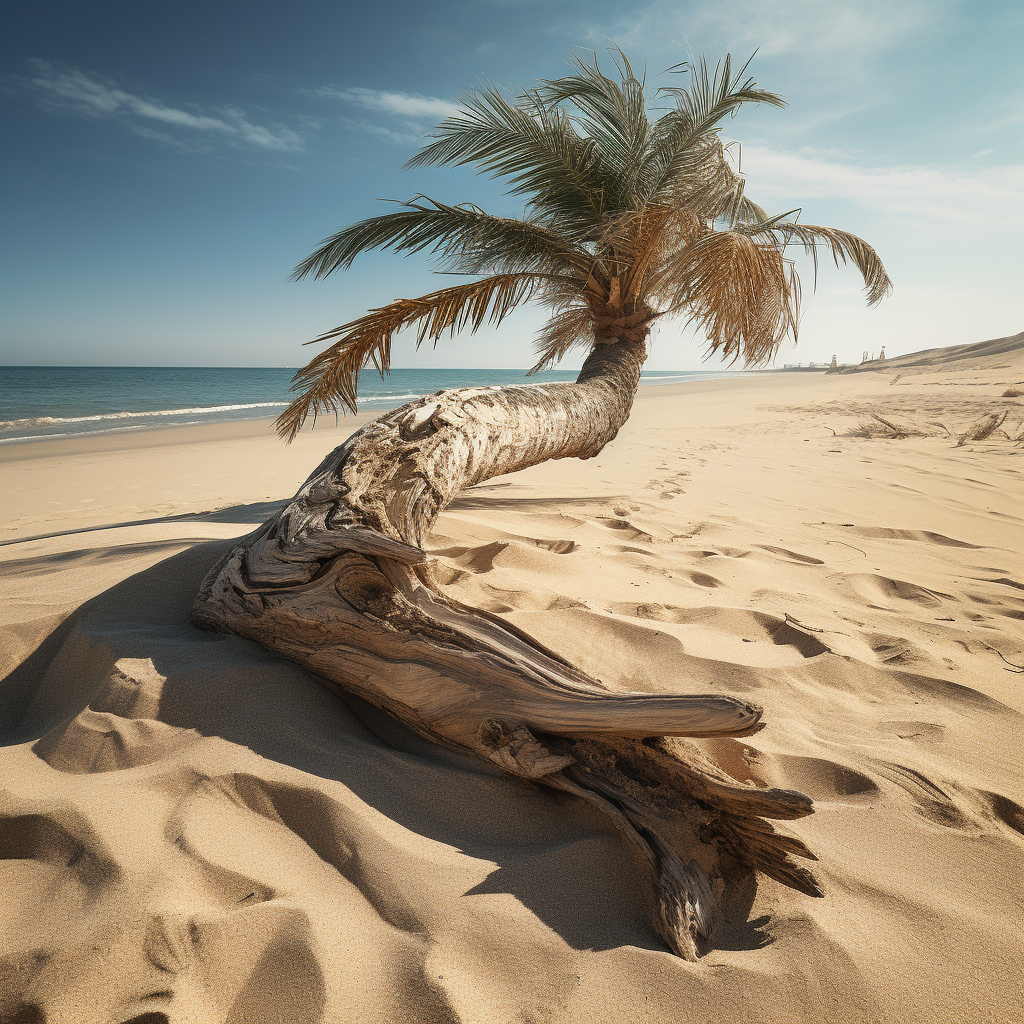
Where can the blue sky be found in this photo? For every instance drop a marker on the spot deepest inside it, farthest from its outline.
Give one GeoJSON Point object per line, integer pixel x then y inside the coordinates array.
{"type": "Point", "coordinates": [167, 164]}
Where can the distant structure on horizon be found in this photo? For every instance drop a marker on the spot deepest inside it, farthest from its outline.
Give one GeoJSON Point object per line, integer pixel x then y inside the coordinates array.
{"type": "Point", "coordinates": [881, 355]}
{"type": "Point", "coordinates": [833, 365]}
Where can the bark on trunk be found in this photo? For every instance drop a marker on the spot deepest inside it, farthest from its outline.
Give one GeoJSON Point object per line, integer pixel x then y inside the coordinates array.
{"type": "Point", "coordinates": [338, 581]}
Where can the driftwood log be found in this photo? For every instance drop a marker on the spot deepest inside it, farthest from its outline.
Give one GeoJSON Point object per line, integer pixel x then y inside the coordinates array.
{"type": "Point", "coordinates": [338, 581]}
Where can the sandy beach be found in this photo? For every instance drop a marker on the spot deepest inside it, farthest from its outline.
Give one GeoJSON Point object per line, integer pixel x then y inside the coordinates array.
{"type": "Point", "coordinates": [195, 830]}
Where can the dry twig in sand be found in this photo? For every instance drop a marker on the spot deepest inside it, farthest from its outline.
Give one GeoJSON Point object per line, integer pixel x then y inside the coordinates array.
{"type": "Point", "coordinates": [981, 429]}
{"type": "Point", "coordinates": [879, 426]}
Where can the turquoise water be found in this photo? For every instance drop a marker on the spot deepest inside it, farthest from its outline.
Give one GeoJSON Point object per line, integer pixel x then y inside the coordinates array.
{"type": "Point", "coordinates": [58, 401]}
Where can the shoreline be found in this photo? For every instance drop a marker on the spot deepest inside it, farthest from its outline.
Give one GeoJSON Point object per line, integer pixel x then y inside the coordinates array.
{"type": "Point", "coordinates": [372, 404]}
{"type": "Point", "coordinates": [130, 438]}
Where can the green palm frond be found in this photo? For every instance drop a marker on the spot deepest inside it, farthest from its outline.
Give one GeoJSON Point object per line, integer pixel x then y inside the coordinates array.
{"type": "Point", "coordinates": [700, 109]}
{"type": "Point", "coordinates": [531, 145]}
{"type": "Point", "coordinates": [613, 115]}
{"type": "Point", "coordinates": [330, 378]}
{"type": "Point", "coordinates": [468, 239]}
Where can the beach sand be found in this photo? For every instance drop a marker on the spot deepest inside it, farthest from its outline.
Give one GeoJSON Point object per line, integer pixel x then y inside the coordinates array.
{"type": "Point", "coordinates": [194, 830]}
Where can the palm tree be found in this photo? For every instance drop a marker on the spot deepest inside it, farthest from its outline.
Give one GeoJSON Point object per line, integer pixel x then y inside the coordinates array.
{"type": "Point", "coordinates": [627, 220]}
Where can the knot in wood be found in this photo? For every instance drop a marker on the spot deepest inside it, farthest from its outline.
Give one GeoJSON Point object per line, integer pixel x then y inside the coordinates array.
{"type": "Point", "coordinates": [419, 422]}
{"type": "Point", "coordinates": [518, 751]}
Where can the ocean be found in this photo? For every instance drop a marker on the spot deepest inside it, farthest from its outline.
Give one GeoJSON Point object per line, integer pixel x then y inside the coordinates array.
{"type": "Point", "coordinates": [60, 401]}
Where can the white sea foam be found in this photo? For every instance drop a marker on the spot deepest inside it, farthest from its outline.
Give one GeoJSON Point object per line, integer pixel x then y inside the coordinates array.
{"type": "Point", "coordinates": [57, 421]}
{"type": "Point", "coordinates": [376, 399]}
{"type": "Point", "coordinates": [70, 433]}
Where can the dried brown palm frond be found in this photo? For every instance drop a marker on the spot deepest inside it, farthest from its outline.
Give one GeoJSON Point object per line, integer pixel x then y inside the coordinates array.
{"type": "Point", "coordinates": [843, 247]}
{"type": "Point", "coordinates": [636, 242]}
{"type": "Point", "coordinates": [744, 294]}
{"type": "Point", "coordinates": [981, 428]}
{"type": "Point", "coordinates": [880, 426]}
{"type": "Point", "coordinates": [565, 330]}
{"type": "Point", "coordinates": [331, 377]}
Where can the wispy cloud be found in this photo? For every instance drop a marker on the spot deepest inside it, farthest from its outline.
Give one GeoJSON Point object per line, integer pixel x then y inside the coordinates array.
{"type": "Point", "coordinates": [401, 104]}
{"type": "Point", "coordinates": [989, 198]}
{"type": "Point", "coordinates": [405, 115]}
{"type": "Point", "coordinates": [71, 90]}
{"type": "Point", "coordinates": [808, 29]}
{"type": "Point", "coordinates": [399, 138]}
{"type": "Point", "coordinates": [812, 30]}
{"type": "Point", "coordinates": [846, 37]}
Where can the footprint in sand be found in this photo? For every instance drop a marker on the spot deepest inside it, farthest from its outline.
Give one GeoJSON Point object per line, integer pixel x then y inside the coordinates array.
{"type": "Point", "coordinates": [894, 650]}
{"type": "Point", "coordinates": [483, 558]}
{"type": "Point", "coordinates": [878, 590]}
{"type": "Point", "coordinates": [792, 556]}
{"type": "Point", "coordinates": [1005, 810]}
{"type": "Point", "coordinates": [102, 742]}
{"type": "Point", "coordinates": [824, 780]}
{"type": "Point", "coordinates": [917, 732]}
{"type": "Point", "coordinates": [929, 799]}
{"type": "Point", "coordinates": [733, 624]}
{"type": "Point", "coordinates": [885, 533]}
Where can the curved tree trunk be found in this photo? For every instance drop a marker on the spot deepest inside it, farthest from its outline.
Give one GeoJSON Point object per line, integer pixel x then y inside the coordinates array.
{"type": "Point", "coordinates": [338, 582]}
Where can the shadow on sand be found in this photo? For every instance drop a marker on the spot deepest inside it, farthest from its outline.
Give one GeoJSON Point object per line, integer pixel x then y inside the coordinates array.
{"type": "Point", "coordinates": [553, 853]}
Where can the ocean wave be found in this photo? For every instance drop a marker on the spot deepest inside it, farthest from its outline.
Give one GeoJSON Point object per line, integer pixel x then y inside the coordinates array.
{"type": "Point", "coordinates": [694, 375]}
{"type": "Point", "coordinates": [366, 399]}
{"type": "Point", "coordinates": [57, 421]}
{"type": "Point", "coordinates": [70, 433]}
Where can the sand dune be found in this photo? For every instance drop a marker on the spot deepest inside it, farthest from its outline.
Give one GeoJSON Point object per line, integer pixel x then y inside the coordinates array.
{"type": "Point", "coordinates": [193, 830]}
{"type": "Point", "coordinates": [997, 354]}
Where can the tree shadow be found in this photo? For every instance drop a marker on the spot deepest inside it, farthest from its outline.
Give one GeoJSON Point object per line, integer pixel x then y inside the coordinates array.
{"type": "Point", "coordinates": [254, 512]}
{"type": "Point", "coordinates": [469, 500]}
{"type": "Point", "coordinates": [554, 853]}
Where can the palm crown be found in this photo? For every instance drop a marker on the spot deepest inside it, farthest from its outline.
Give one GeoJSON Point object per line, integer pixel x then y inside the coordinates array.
{"type": "Point", "coordinates": [626, 220]}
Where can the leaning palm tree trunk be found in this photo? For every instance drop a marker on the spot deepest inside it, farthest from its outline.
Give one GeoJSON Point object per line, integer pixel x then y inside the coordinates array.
{"type": "Point", "coordinates": [339, 582]}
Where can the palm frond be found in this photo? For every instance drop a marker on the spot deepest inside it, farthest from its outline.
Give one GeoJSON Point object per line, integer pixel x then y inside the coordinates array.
{"type": "Point", "coordinates": [844, 247]}
{"type": "Point", "coordinates": [748, 212]}
{"type": "Point", "coordinates": [470, 240]}
{"type": "Point", "coordinates": [710, 98]}
{"type": "Point", "coordinates": [613, 115]}
{"type": "Point", "coordinates": [641, 239]}
{"type": "Point", "coordinates": [331, 377]}
{"type": "Point", "coordinates": [626, 220]}
{"type": "Point", "coordinates": [565, 330]}
{"type": "Point", "coordinates": [744, 294]}
{"type": "Point", "coordinates": [533, 146]}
